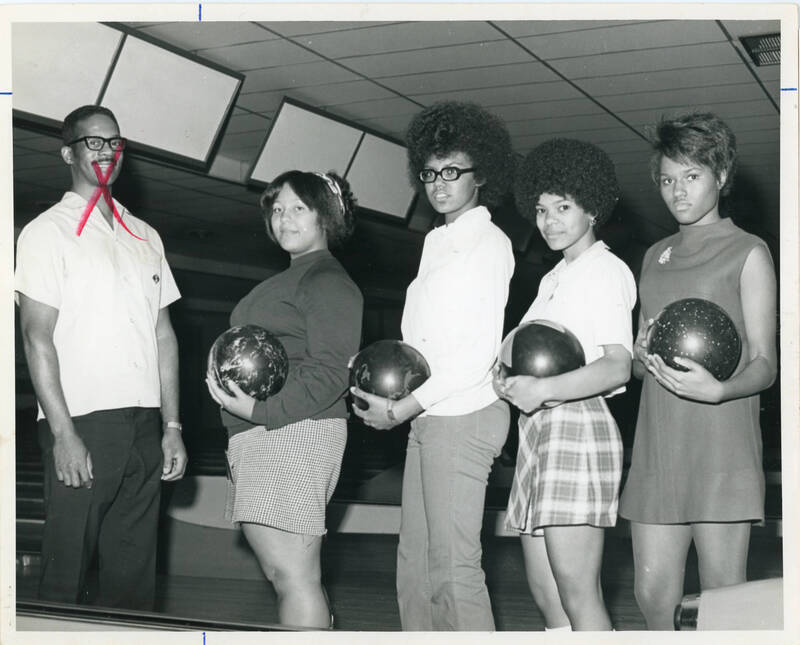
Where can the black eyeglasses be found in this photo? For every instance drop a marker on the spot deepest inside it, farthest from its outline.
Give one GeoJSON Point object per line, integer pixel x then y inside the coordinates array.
{"type": "Point", "coordinates": [97, 143]}
{"type": "Point", "coordinates": [448, 173]}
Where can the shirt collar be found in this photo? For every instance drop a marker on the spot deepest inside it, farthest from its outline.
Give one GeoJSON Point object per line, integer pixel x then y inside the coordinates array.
{"type": "Point", "coordinates": [598, 247]}
{"type": "Point", "coordinates": [78, 203]}
{"type": "Point", "coordinates": [467, 226]}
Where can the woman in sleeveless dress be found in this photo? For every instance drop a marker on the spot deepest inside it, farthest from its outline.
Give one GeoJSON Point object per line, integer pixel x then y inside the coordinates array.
{"type": "Point", "coordinates": [696, 473]}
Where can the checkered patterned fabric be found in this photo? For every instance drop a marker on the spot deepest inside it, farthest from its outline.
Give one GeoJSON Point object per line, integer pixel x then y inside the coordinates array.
{"type": "Point", "coordinates": [285, 477]}
{"type": "Point", "coordinates": [569, 467]}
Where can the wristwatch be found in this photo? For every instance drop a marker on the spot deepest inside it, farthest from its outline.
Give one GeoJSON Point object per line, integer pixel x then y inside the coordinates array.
{"type": "Point", "coordinates": [174, 425]}
{"type": "Point", "coordinates": [390, 411]}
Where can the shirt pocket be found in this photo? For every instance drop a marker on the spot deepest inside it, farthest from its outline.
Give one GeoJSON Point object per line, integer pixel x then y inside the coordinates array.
{"type": "Point", "coordinates": [148, 274]}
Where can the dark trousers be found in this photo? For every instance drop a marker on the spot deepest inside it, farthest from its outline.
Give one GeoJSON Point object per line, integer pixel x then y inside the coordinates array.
{"type": "Point", "coordinates": [117, 517]}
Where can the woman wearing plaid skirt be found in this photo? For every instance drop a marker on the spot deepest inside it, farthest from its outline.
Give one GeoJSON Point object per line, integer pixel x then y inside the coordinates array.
{"type": "Point", "coordinates": [284, 453]}
{"type": "Point", "coordinates": [569, 464]}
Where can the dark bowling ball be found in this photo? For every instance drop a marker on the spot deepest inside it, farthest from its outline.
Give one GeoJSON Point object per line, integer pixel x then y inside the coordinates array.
{"type": "Point", "coordinates": [541, 348]}
{"type": "Point", "coordinates": [697, 329]}
{"type": "Point", "coordinates": [388, 368]}
{"type": "Point", "coordinates": [251, 357]}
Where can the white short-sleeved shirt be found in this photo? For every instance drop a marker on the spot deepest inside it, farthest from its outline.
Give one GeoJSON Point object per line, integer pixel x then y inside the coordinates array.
{"type": "Point", "coordinates": [108, 288]}
{"type": "Point", "coordinates": [593, 297]}
{"type": "Point", "coordinates": [454, 312]}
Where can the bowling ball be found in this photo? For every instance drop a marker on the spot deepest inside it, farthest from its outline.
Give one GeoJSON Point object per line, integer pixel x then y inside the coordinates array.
{"type": "Point", "coordinates": [540, 348]}
{"type": "Point", "coordinates": [697, 329]}
{"type": "Point", "coordinates": [388, 368]}
{"type": "Point", "coordinates": [251, 357]}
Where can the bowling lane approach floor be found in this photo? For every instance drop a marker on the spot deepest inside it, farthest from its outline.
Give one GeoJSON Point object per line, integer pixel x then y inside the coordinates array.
{"type": "Point", "coordinates": [359, 571]}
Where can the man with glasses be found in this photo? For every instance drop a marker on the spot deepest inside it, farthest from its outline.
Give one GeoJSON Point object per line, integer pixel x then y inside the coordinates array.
{"type": "Point", "coordinates": [93, 288]}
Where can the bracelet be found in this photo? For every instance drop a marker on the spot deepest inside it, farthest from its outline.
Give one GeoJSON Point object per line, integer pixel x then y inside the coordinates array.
{"type": "Point", "coordinates": [174, 425]}
{"type": "Point", "coordinates": [390, 411]}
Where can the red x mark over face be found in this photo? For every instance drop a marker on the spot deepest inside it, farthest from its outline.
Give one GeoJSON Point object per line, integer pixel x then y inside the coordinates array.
{"type": "Point", "coordinates": [102, 189]}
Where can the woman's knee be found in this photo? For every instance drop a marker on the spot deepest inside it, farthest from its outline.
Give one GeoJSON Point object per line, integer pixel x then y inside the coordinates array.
{"type": "Point", "coordinates": [653, 592]}
{"type": "Point", "coordinates": [577, 588]}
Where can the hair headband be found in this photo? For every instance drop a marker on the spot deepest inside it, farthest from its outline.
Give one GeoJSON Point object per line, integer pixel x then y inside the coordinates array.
{"type": "Point", "coordinates": [334, 188]}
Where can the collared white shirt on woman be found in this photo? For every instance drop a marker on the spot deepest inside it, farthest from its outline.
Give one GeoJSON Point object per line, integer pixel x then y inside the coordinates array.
{"type": "Point", "coordinates": [454, 312]}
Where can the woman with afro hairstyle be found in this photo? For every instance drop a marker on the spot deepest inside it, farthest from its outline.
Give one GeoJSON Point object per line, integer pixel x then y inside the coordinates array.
{"type": "Point", "coordinates": [461, 156]}
{"type": "Point", "coordinates": [284, 453]}
{"type": "Point", "coordinates": [569, 463]}
{"type": "Point", "coordinates": [696, 472]}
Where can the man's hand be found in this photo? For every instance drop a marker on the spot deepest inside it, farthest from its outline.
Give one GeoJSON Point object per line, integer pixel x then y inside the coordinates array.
{"type": "Point", "coordinates": [175, 458]}
{"type": "Point", "coordinates": [73, 462]}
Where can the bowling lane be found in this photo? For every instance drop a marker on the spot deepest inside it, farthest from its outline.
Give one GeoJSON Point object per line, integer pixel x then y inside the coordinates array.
{"type": "Point", "coordinates": [359, 575]}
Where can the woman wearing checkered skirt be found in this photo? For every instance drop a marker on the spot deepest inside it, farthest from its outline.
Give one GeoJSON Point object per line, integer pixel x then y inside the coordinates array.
{"type": "Point", "coordinates": [284, 453]}
{"type": "Point", "coordinates": [569, 463]}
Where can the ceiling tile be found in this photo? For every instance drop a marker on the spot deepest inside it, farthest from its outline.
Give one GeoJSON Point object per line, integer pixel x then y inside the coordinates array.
{"type": "Point", "coordinates": [625, 38]}
{"type": "Point", "coordinates": [561, 124]}
{"type": "Point", "coordinates": [665, 80]}
{"type": "Point", "coordinates": [739, 28]}
{"type": "Point", "coordinates": [547, 109]}
{"type": "Point", "coordinates": [765, 121]}
{"type": "Point", "coordinates": [364, 111]}
{"type": "Point", "coordinates": [725, 111]}
{"type": "Point", "coordinates": [454, 57]}
{"type": "Point", "coordinates": [394, 126]}
{"type": "Point", "coordinates": [399, 38]}
{"type": "Point", "coordinates": [294, 28]}
{"type": "Point", "coordinates": [492, 96]}
{"type": "Point", "coordinates": [758, 136]}
{"type": "Point", "coordinates": [290, 76]}
{"type": "Point", "coordinates": [342, 93]}
{"type": "Point", "coordinates": [258, 55]}
{"type": "Point", "coordinates": [768, 73]}
{"type": "Point", "coordinates": [192, 36]}
{"type": "Point", "coordinates": [711, 95]}
{"type": "Point", "coordinates": [522, 28]}
{"type": "Point", "coordinates": [480, 77]}
{"type": "Point", "coordinates": [647, 60]}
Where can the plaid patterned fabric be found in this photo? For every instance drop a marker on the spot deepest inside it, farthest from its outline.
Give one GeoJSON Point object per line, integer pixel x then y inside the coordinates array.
{"type": "Point", "coordinates": [569, 467]}
{"type": "Point", "coordinates": [285, 477]}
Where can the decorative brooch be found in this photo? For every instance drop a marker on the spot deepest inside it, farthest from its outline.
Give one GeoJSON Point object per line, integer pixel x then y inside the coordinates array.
{"type": "Point", "coordinates": [664, 257]}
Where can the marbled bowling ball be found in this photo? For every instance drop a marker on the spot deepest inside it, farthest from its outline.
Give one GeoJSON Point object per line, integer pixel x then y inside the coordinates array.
{"type": "Point", "coordinates": [540, 348]}
{"type": "Point", "coordinates": [251, 357]}
{"type": "Point", "coordinates": [697, 329]}
{"type": "Point", "coordinates": [388, 368]}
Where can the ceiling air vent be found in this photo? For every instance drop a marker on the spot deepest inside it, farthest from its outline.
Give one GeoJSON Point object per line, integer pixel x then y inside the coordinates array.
{"type": "Point", "coordinates": [763, 50]}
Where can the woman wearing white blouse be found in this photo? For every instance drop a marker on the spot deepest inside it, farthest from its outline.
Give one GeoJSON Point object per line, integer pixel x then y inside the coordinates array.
{"type": "Point", "coordinates": [569, 463]}
{"type": "Point", "coordinates": [453, 314]}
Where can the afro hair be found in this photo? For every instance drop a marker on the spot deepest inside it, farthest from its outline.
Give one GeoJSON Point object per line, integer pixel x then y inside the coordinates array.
{"type": "Point", "coordinates": [449, 127]}
{"type": "Point", "coordinates": [569, 168]}
{"type": "Point", "coordinates": [697, 137]}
